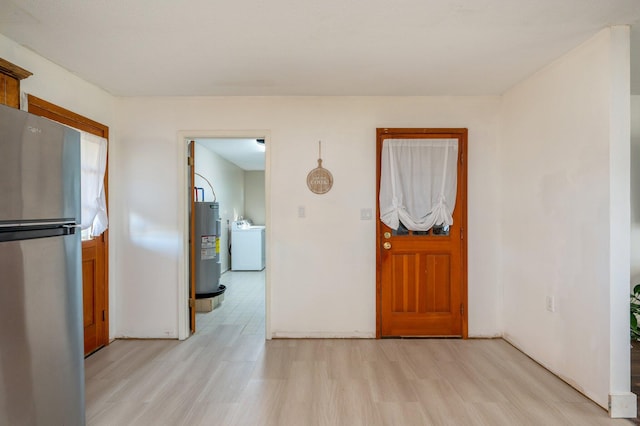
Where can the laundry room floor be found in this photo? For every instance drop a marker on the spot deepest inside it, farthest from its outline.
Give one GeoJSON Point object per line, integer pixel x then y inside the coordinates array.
{"type": "Point", "coordinates": [243, 304]}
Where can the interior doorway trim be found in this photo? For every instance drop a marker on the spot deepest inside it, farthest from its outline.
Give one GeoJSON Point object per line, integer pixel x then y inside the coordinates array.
{"type": "Point", "coordinates": [184, 136]}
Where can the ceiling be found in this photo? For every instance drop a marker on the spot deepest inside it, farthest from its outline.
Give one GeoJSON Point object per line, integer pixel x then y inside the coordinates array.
{"type": "Point", "coordinates": [292, 47]}
{"type": "Point", "coordinates": [244, 153]}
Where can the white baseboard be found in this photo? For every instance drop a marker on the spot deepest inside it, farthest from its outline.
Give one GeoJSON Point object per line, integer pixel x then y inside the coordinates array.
{"type": "Point", "coordinates": [623, 405]}
{"type": "Point", "coordinates": [323, 335]}
{"type": "Point", "coordinates": [350, 335]}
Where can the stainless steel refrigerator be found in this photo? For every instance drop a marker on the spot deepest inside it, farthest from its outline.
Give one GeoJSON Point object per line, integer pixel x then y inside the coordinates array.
{"type": "Point", "coordinates": [41, 341]}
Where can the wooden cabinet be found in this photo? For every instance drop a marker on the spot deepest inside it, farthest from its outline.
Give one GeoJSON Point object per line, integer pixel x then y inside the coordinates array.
{"type": "Point", "coordinates": [9, 91]}
{"type": "Point", "coordinates": [10, 76]}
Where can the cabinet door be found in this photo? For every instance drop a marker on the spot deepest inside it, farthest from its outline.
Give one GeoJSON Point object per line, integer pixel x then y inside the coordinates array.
{"type": "Point", "coordinates": [9, 91]}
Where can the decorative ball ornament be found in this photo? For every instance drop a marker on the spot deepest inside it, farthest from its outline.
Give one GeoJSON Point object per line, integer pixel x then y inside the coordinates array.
{"type": "Point", "coordinates": [319, 180]}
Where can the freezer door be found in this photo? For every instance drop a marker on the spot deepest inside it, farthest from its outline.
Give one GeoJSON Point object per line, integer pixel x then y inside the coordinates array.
{"type": "Point", "coordinates": [39, 168]}
{"type": "Point", "coordinates": [41, 351]}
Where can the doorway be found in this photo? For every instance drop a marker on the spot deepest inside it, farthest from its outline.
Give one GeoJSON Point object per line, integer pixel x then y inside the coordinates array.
{"type": "Point", "coordinates": [214, 162]}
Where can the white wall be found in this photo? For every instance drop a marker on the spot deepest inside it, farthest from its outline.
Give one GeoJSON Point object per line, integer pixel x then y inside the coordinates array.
{"type": "Point", "coordinates": [254, 195]}
{"type": "Point", "coordinates": [57, 85]}
{"type": "Point", "coordinates": [228, 182]}
{"type": "Point", "coordinates": [321, 268]}
{"type": "Point", "coordinates": [556, 182]}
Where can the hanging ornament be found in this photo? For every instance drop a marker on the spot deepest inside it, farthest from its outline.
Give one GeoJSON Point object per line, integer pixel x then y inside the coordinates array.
{"type": "Point", "coordinates": [319, 180]}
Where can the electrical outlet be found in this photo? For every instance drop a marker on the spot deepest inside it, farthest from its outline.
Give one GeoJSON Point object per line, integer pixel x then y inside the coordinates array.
{"type": "Point", "coordinates": [551, 304]}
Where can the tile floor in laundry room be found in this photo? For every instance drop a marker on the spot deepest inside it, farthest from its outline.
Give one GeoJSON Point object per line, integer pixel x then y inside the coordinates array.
{"type": "Point", "coordinates": [243, 305]}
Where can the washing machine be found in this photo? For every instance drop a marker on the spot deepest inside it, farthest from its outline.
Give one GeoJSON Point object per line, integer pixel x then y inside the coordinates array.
{"type": "Point", "coordinates": [247, 246]}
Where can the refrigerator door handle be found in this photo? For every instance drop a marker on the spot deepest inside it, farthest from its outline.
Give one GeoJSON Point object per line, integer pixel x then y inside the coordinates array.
{"type": "Point", "coordinates": [63, 223]}
{"type": "Point", "coordinates": [18, 232]}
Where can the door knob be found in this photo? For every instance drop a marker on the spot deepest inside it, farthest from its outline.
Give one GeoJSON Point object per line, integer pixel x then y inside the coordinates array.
{"type": "Point", "coordinates": [387, 235]}
{"type": "Point", "coordinates": [387, 245]}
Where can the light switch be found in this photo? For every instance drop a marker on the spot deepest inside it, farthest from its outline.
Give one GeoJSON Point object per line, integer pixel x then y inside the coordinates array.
{"type": "Point", "coordinates": [366, 214]}
{"type": "Point", "coordinates": [551, 303]}
{"type": "Point", "coordinates": [301, 211]}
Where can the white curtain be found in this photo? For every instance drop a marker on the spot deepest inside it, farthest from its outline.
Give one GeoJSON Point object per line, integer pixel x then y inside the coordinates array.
{"type": "Point", "coordinates": [93, 152]}
{"type": "Point", "coordinates": [418, 182]}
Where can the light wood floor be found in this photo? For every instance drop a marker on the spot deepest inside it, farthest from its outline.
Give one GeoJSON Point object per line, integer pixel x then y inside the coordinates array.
{"type": "Point", "coordinates": [227, 374]}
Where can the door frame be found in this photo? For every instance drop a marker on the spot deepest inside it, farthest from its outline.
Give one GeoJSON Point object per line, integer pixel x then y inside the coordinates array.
{"type": "Point", "coordinates": [462, 135]}
{"type": "Point", "coordinates": [183, 139]}
{"type": "Point", "coordinates": [191, 164]}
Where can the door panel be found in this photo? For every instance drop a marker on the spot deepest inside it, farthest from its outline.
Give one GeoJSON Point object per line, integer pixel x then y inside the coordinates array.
{"type": "Point", "coordinates": [422, 296]}
{"type": "Point", "coordinates": [94, 304]}
{"type": "Point", "coordinates": [88, 295]}
{"type": "Point", "coordinates": [414, 281]}
{"type": "Point", "coordinates": [421, 275]}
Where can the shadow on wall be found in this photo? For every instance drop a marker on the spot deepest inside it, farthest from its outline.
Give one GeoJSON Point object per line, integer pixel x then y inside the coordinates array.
{"type": "Point", "coordinates": [635, 203]}
{"type": "Point", "coordinates": [635, 181]}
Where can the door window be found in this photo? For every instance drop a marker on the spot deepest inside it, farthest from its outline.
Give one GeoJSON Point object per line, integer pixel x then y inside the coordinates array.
{"type": "Point", "coordinates": [418, 183]}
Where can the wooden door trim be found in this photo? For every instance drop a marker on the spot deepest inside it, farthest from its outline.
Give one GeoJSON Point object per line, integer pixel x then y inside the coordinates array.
{"type": "Point", "coordinates": [461, 134]}
{"type": "Point", "coordinates": [61, 115]}
{"type": "Point", "coordinates": [192, 238]}
{"type": "Point", "coordinates": [56, 113]}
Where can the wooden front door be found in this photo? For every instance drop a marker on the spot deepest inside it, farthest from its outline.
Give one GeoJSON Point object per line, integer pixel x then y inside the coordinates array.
{"type": "Point", "coordinates": [95, 262]}
{"type": "Point", "coordinates": [421, 275]}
